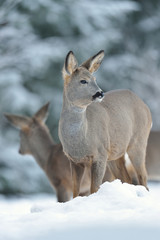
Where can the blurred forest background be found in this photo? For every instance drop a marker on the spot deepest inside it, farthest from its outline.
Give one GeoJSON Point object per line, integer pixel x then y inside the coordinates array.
{"type": "Point", "coordinates": [35, 37]}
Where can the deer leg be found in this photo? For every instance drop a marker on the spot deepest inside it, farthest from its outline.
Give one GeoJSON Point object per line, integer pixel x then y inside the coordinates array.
{"type": "Point", "coordinates": [84, 194]}
{"type": "Point", "coordinates": [77, 173]}
{"type": "Point", "coordinates": [108, 176]}
{"type": "Point", "coordinates": [62, 194]}
{"type": "Point", "coordinates": [118, 169]}
{"type": "Point", "coordinates": [97, 173]}
{"type": "Point", "coordinates": [137, 157]}
{"type": "Point", "coordinates": [131, 171]}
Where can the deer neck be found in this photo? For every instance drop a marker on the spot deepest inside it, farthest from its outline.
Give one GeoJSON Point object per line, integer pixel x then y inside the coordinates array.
{"type": "Point", "coordinates": [74, 117]}
{"type": "Point", "coordinates": [73, 129]}
{"type": "Point", "coordinates": [42, 149]}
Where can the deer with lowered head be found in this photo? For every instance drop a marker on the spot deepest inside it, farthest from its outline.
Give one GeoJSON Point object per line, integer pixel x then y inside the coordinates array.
{"type": "Point", "coordinates": [96, 128]}
{"type": "Point", "coordinates": [35, 139]}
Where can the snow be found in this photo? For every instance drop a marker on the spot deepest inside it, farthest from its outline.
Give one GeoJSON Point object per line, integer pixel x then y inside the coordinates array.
{"type": "Point", "coordinates": [117, 210]}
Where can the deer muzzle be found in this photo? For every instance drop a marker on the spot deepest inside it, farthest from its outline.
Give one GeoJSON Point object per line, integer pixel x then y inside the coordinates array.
{"type": "Point", "coordinates": [98, 95]}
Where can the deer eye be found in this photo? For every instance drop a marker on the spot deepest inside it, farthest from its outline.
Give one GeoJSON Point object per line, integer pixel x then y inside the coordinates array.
{"type": "Point", "coordinates": [83, 82]}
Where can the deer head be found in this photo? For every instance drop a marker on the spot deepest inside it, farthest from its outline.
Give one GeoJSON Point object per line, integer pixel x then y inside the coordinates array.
{"type": "Point", "coordinates": [79, 83]}
{"type": "Point", "coordinates": [31, 129]}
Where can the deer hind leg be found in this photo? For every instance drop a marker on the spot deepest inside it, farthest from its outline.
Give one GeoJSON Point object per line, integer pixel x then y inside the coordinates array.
{"type": "Point", "coordinates": [77, 173]}
{"type": "Point", "coordinates": [131, 171]}
{"type": "Point", "coordinates": [97, 173]}
{"type": "Point", "coordinates": [119, 171]}
{"type": "Point", "coordinates": [137, 157]}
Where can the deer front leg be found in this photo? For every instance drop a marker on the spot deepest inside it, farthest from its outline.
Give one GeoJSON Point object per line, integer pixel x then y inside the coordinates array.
{"type": "Point", "coordinates": [77, 173]}
{"type": "Point", "coordinates": [97, 173]}
{"type": "Point", "coordinates": [63, 195]}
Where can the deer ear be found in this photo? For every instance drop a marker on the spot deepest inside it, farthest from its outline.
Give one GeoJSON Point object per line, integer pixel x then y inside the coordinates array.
{"type": "Point", "coordinates": [93, 63]}
{"type": "Point", "coordinates": [70, 65]}
{"type": "Point", "coordinates": [17, 121]}
{"type": "Point", "coordinates": [42, 113]}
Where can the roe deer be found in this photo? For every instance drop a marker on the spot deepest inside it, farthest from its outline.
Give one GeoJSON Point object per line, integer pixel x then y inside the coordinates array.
{"type": "Point", "coordinates": [95, 128]}
{"type": "Point", "coordinates": [35, 139]}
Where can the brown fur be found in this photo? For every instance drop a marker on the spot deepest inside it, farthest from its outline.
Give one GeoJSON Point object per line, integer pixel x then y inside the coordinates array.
{"type": "Point", "coordinates": [26, 129]}
{"type": "Point", "coordinates": [36, 140]}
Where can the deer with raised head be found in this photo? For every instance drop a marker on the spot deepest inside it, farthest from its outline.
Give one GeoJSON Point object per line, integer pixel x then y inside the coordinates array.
{"type": "Point", "coordinates": [97, 127]}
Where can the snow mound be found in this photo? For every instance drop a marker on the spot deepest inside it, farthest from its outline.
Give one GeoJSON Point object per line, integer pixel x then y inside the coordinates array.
{"type": "Point", "coordinates": [117, 210]}
{"type": "Point", "coordinates": [114, 202]}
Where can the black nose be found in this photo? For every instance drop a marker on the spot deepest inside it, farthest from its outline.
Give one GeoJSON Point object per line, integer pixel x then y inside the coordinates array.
{"type": "Point", "coordinates": [98, 95]}
{"type": "Point", "coordinates": [102, 94]}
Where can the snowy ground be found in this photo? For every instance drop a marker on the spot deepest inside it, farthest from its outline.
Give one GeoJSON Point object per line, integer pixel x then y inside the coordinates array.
{"type": "Point", "coordinates": [116, 211]}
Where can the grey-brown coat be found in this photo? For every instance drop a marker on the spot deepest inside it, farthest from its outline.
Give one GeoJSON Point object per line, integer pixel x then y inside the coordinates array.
{"type": "Point", "coordinates": [95, 128]}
